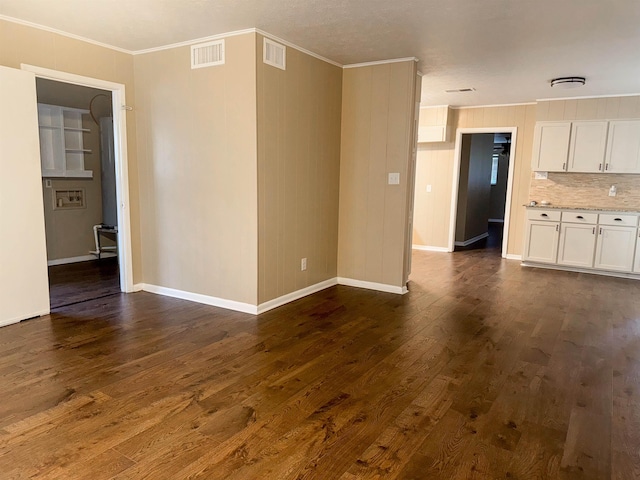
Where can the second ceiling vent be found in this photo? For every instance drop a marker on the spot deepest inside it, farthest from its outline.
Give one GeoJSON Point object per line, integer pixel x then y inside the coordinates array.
{"type": "Point", "coordinates": [274, 54]}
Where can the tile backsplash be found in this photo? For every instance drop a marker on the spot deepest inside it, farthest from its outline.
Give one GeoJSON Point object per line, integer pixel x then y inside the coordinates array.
{"type": "Point", "coordinates": [587, 190]}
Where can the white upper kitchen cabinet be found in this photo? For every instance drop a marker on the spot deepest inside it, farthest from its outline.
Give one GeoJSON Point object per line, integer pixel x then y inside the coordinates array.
{"type": "Point", "coordinates": [623, 147]}
{"type": "Point", "coordinates": [551, 146]}
{"type": "Point", "coordinates": [587, 147]}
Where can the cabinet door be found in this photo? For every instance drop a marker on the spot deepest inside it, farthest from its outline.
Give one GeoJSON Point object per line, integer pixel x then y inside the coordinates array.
{"type": "Point", "coordinates": [636, 265]}
{"type": "Point", "coordinates": [587, 147]}
{"type": "Point", "coordinates": [623, 147]}
{"type": "Point", "coordinates": [577, 245]}
{"type": "Point", "coordinates": [615, 247]}
{"type": "Point", "coordinates": [551, 146]}
{"type": "Point", "coordinates": [541, 244]}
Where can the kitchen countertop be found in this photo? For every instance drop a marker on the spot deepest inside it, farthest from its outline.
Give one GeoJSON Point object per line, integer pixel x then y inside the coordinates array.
{"type": "Point", "coordinates": [594, 209]}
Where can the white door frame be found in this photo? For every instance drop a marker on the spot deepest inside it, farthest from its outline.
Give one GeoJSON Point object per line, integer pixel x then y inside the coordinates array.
{"type": "Point", "coordinates": [121, 163]}
{"type": "Point", "coordinates": [456, 181]}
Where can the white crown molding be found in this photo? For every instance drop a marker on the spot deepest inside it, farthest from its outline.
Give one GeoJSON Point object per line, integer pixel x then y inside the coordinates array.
{"type": "Point", "coordinates": [300, 49]}
{"type": "Point", "coordinates": [381, 62]}
{"type": "Point", "coordinates": [200, 40]}
{"type": "Point", "coordinates": [188, 43]}
{"type": "Point", "coordinates": [588, 97]}
{"type": "Point", "coordinates": [494, 106]}
{"type": "Point", "coordinates": [64, 34]}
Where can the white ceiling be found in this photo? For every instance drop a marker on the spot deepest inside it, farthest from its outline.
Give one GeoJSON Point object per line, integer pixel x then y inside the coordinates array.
{"type": "Point", "coordinates": [507, 50]}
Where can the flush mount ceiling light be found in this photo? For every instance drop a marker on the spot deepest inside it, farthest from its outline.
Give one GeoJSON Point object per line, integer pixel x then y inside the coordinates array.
{"type": "Point", "coordinates": [568, 82]}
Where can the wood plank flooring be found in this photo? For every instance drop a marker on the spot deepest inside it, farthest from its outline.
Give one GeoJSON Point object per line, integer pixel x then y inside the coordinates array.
{"type": "Point", "coordinates": [82, 281]}
{"type": "Point", "coordinates": [484, 370]}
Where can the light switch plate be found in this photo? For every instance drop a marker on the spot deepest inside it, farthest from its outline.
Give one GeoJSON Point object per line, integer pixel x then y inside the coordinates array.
{"type": "Point", "coordinates": [394, 179]}
{"type": "Point", "coordinates": [428, 188]}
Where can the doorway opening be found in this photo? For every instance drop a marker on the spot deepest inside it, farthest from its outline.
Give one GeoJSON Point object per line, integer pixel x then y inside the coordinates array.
{"type": "Point", "coordinates": [481, 193]}
{"type": "Point", "coordinates": [107, 245]}
{"type": "Point", "coordinates": [75, 125]}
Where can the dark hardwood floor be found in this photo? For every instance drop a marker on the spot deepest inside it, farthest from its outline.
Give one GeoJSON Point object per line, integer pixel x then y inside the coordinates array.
{"type": "Point", "coordinates": [484, 370]}
{"type": "Point", "coordinates": [79, 282]}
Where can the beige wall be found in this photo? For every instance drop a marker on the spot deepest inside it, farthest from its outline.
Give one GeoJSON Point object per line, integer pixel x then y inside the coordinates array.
{"type": "Point", "coordinates": [70, 232]}
{"type": "Point", "coordinates": [198, 182]}
{"type": "Point", "coordinates": [588, 190]}
{"type": "Point", "coordinates": [435, 168]}
{"type": "Point", "coordinates": [22, 44]}
{"type": "Point", "coordinates": [377, 124]}
{"type": "Point", "coordinates": [298, 172]}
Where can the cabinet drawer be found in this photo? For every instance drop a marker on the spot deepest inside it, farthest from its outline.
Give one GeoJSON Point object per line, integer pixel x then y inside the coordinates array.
{"type": "Point", "coordinates": [617, 219]}
{"type": "Point", "coordinates": [543, 214]}
{"type": "Point", "coordinates": [580, 217]}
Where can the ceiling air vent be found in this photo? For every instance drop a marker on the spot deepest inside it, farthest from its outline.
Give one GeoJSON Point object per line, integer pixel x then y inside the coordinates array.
{"type": "Point", "coordinates": [274, 54]}
{"type": "Point", "coordinates": [207, 54]}
{"type": "Point", "coordinates": [460, 90]}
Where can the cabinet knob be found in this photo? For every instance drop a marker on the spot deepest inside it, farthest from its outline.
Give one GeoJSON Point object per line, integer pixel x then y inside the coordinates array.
{"type": "Point", "coordinates": [593, 232]}
{"type": "Point", "coordinates": [599, 167]}
{"type": "Point", "coordinates": [618, 219]}
{"type": "Point", "coordinates": [606, 166]}
{"type": "Point", "coordinates": [580, 217]}
{"type": "Point", "coordinates": [544, 215]}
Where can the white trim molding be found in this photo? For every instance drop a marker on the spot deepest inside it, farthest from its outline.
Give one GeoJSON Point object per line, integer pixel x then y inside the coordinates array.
{"type": "Point", "coordinates": [81, 258]}
{"type": "Point", "coordinates": [497, 105]}
{"type": "Point", "coordinates": [381, 287]}
{"type": "Point", "coordinates": [381, 62]}
{"type": "Point", "coordinates": [199, 298]}
{"type": "Point", "coordinates": [290, 297]}
{"type": "Point", "coordinates": [512, 256]}
{"type": "Point", "coordinates": [13, 321]}
{"type": "Point", "coordinates": [232, 304]}
{"type": "Point", "coordinates": [457, 153]}
{"type": "Point", "coordinates": [118, 107]}
{"type": "Point", "coordinates": [475, 239]}
{"type": "Point", "coordinates": [428, 248]}
{"type": "Point", "coordinates": [64, 34]}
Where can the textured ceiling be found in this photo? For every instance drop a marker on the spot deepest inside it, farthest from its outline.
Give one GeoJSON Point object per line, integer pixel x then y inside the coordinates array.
{"type": "Point", "coordinates": [507, 50]}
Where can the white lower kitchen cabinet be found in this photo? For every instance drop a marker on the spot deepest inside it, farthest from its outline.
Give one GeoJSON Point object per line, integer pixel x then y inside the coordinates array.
{"type": "Point", "coordinates": [577, 245]}
{"type": "Point", "coordinates": [541, 244]}
{"type": "Point", "coordinates": [615, 248]}
{"type": "Point", "coordinates": [636, 264]}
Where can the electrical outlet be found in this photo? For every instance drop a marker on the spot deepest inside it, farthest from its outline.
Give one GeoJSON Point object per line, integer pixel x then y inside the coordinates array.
{"type": "Point", "coordinates": [394, 179]}
{"type": "Point", "coordinates": [613, 191]}
{"type": "Point", "coordinates": [428, 188]}
{"type": "Point", "coordinates": [303, 264]}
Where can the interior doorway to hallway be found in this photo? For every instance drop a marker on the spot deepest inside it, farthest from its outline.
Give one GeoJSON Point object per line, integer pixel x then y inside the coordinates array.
{"type": "Point", "coordinates": [481, 191]}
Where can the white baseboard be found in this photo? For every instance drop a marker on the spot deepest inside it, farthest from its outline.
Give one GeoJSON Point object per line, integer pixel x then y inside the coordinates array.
{"type": "Point", "coordinates": [381, 287]}
{"type": "Point", "coordinates": [471, 240]}
{"type": "Point", "coordinates": [631, 276]}
{"type": "Point", "coordinates": [232, 304]}
{"type": "Point", "coordinates": [199, 298]}
{"type": "Point", "coordinates": [81, 258]}
{"type": "Point", "coordinates": [511, 256]}
{"type": "Point", "coordinates": [428, 248]}
{"type": "Point", "coordinates": [11, 321]}
{"type": "Point", "coordinates": [290, 297]}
